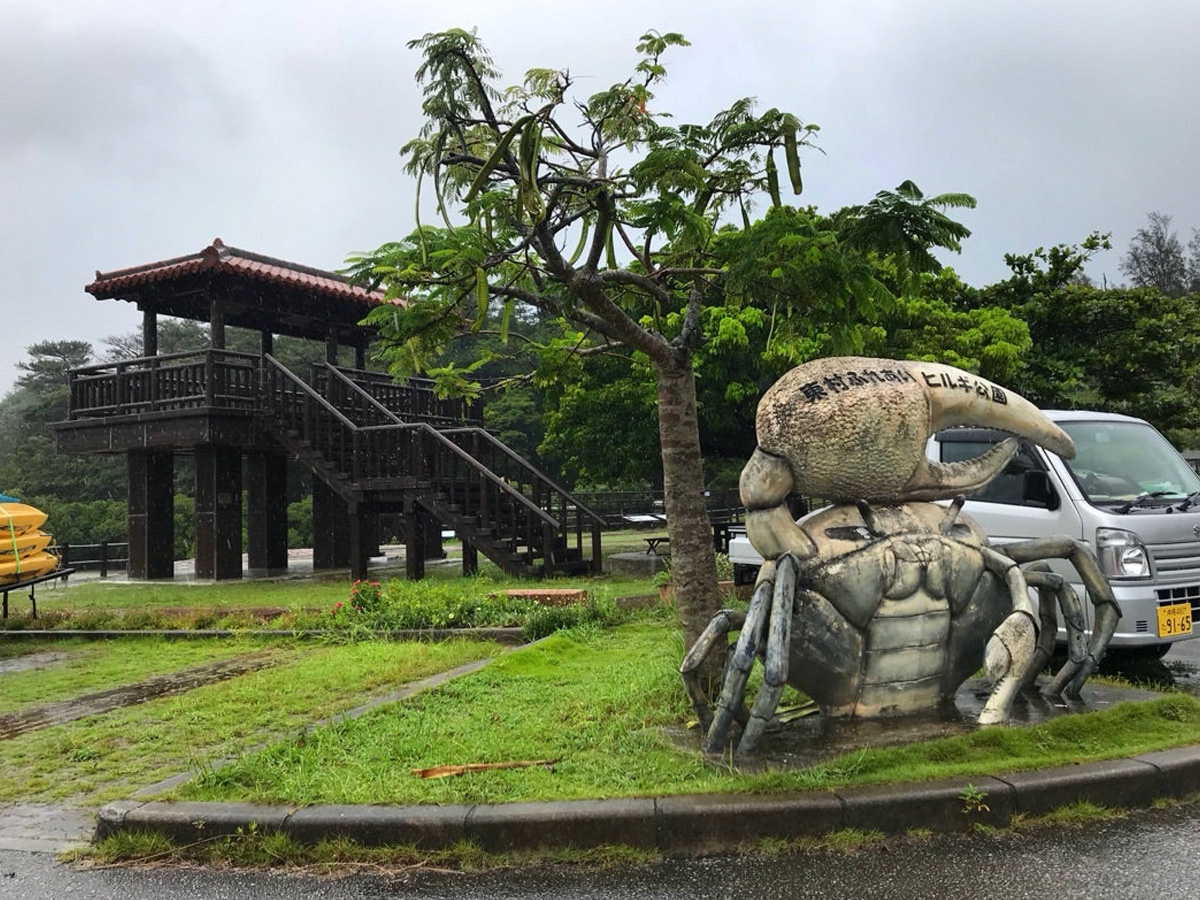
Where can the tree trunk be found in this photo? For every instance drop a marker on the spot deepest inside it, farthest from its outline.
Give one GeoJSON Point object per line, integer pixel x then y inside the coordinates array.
{"type": "Point", "coordinates": [693, 564]}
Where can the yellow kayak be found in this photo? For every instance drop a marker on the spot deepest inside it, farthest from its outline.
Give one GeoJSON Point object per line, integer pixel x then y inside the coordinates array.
{"type": "Point", "coordinates": [26, 544]}
{"type": "Point", "coordinates": [17, 518]}
{"type": "Point", "coordinates": [29, 567]}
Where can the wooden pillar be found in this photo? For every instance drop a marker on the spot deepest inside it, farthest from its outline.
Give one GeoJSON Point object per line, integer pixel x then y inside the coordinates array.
{"type": "Point", "coordinates": [149, 333]}
{"type": "Point", "coordinates": [151, 511]}
{"type": "Point", "coordinates": [360, 521]}
{"type": "Point", "coordinates": [360, 357]}
{"type": "Point", "coordinates": [331, 528]}
{"type": "Point", "coordinates": [433, 539]}
{"type": "Point", "coordinates": [470, 558]}
{"type": "Point", "coordinates": [331, 348]}
{"type": "Point", "coordinates": [218, 512]}
{"type": "Point", "coordinates": [266, 510]}
{"type": "Point", "coordinates": [414, 537]}
{"type": "Point", "coordinates": [216, 323]}
{"type": "Point", "coordinates": [266, 343]}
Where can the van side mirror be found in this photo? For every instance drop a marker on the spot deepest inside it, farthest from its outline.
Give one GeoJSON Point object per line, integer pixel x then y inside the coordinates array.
{"type": "Point", "coordinates": [1036, 490]}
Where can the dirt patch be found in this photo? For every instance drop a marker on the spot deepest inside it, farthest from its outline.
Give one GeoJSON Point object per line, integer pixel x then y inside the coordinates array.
{"type": "Point", "coordinates": [30, 661]}
{"type": "Point", "coordinates": [63, 711]}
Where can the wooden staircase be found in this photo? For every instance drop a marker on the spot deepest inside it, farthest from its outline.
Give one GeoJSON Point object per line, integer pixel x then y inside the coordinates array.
{"type": "Point", "coordinates": [357, 432]}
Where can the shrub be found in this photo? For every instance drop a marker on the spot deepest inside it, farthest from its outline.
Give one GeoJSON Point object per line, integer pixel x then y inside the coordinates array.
{"type": "Point", "coordinates": [403, 605]}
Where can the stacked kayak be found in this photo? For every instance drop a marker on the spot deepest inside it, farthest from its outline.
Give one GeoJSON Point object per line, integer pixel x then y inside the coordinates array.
{"type": "Point", "coordinates": [24, 547]}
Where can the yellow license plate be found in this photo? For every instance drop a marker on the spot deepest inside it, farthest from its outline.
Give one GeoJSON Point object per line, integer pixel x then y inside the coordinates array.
{"type": "Point", "coordinates": [1174, 620]}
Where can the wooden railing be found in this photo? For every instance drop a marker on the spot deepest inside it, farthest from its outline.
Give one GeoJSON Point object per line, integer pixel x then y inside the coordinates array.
{"type": "Point", "coordinates": [572, 520]}
{"type": "Point", "coordinates": [576, 518]}
{"type": "Point", "coordinates": [379, 457]}
{"type": "Point", "coordinates": [175, 381]}
{"type": "Point", "coordinates": [413, 401]}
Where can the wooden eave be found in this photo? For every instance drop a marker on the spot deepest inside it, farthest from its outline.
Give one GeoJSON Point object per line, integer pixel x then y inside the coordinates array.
{"type": "Point", "coordinates": [255, 292]}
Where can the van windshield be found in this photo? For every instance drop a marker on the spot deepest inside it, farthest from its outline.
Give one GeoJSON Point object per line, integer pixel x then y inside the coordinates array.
{"type": "Point", "coordinates": [1116, 462]}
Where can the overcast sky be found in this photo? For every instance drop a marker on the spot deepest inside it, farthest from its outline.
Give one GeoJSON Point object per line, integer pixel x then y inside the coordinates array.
{"type": "Point", "coordinates": [139, 130]}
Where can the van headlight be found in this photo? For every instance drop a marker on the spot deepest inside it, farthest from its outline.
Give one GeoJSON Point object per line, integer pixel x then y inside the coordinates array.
{"type": "Point", "coordinates": [1122, 554]}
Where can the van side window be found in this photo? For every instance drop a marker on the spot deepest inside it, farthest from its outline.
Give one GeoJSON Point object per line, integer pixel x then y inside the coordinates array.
{"type": "Point", "coordinates": [1007, 487]}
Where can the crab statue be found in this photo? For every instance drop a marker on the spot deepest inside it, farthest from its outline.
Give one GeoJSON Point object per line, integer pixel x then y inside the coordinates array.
{"type": "Point", "coordinates": [884, 603]}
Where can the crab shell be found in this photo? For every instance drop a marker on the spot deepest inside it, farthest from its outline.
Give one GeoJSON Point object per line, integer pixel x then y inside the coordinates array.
{"type": "Point", "coordinates": [854, 428]}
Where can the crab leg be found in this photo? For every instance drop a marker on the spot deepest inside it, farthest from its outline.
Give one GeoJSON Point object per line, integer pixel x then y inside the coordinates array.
{"type": "Point", "coordinates": [1073, 674]}
{"type": "Point", "coordinates": [1010, 651]}
{"type": "Point", "coordinates": [775, 659]}
{"type": "Point", "coordinates": [733, 692]}
{"type": "Point", "coordinates": [722, 623]}
{"type": "Point", "coordinates": [1038, 575]}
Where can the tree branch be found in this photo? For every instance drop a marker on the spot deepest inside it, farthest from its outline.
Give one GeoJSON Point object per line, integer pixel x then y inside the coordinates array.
{"type": "Point", "coordinates": [636, 279]}
{"type": "Point", "coordinates": [691, 335]}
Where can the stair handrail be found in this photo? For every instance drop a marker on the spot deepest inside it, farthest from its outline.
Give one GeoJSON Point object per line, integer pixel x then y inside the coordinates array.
{"type": "Point", "coordinates": [310, 391]}
{"type": "Point", "coordinates": [527, 465]}
{"type": "Point", "coordinates": [475, 430]}
{"type": "Point", "coordinates": [466, 457]}
{"type": "Point", "coordinates": [365, 394]}
{"type": "Point", "coordinates": [429, 431]}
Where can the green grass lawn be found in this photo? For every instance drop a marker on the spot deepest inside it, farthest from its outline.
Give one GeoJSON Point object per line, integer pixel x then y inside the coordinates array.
{"type": "Point", "coordinates": [90, 666]}
{"type": "Point", "coordinates": [597, 702]}
{"type": "Point", "coordinates": [109, 756]}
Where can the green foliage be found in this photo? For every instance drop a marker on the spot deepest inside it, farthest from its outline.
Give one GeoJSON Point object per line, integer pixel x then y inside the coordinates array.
{"type": "Point", "coordinates": [516, 418]}
{"type": "Point", "coordinates": [526, 183]}
{"type": "Point", "coordinates": [904, 226]}
{"type": "Point", "coordinates": [602, 430]}
{"type": "Point", "coordinates": [83, 523]}
{"type": "Point", "coordinates": [817, 291]}
{"type": "Point", "coordinates": [299, 517]}
{"type": "Point", "coordinates": [1156, 258]}
{"type": "Point", "coordinates": [1141, 355]}
{"type": "Point", "coordinates": [974, 800]}
{"type": "Point", "coordinates": [30, 464]}
{"type": "Point", "coordinates": [932, 325]}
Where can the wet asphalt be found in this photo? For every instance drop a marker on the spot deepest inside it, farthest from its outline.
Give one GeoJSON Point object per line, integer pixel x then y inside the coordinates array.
{"type": "Point", "coordinates": [1144, 855]}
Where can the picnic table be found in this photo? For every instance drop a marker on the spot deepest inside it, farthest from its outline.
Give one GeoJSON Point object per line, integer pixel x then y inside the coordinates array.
{"type": "Point", "coordinates": [653, 542]}
{"type": "Point", "coordinates": [721, 531]}
{"type": "Point", "coordinates": [645, 519]}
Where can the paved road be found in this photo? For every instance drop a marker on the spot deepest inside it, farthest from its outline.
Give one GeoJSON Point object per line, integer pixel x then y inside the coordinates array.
{"type": "Point", "coordinates": [1150, 854]}
{"type": "Point", "coordinates": [1181, 667]}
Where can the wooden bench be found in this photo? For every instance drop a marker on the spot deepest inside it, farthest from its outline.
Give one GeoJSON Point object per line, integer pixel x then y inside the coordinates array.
{"type": "Point", "coordinates": [32, 584]}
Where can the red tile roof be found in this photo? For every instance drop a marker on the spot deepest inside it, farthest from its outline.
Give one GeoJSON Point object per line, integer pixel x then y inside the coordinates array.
{"type": "Point", "coordinates": [219, 257]}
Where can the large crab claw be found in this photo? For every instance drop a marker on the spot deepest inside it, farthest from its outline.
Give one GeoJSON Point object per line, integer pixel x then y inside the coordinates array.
{"type": "Point", "coordinates": [853, 428]}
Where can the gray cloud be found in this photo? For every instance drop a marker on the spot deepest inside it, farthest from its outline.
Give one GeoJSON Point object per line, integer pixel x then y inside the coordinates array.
{"type": "Point", "coordinates": [133, 130]}
{"type": "Point", "coordinates": [109, 94]}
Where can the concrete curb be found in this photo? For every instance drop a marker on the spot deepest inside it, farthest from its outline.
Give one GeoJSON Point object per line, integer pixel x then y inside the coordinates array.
{"type": "Point", "coordinates": [686, 824]}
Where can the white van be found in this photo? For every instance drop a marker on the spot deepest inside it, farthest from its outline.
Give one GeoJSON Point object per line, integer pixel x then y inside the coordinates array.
{"type": "Point", "coordinates": [1128, 494]}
